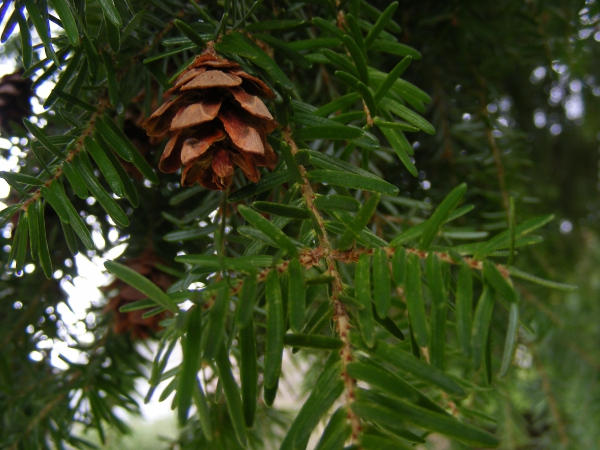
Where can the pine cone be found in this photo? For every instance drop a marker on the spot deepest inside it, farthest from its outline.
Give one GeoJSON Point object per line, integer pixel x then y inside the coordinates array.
{"type": "Point", "coordinates": [15, 96]}
{"type": "Point", "coordinates": [216, 122]}
{"type": "Point", "coordinates": [133, 322]}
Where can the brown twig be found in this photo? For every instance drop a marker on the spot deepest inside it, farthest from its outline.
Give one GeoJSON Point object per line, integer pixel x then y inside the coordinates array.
{"type": "Point", "coordinates": [340, 313]}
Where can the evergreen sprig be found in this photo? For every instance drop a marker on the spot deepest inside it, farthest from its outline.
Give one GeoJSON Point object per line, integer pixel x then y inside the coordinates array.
{"type": "Point", "coordinates": [400, 319]}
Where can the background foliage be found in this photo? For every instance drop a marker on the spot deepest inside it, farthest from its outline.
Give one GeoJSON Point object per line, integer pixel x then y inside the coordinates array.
{"type": "Point", "coordinates": [511, 89]}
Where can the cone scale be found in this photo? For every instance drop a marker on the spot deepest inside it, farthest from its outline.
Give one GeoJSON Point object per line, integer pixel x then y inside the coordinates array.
{"type": "Point", "coordinates": [216, 121]}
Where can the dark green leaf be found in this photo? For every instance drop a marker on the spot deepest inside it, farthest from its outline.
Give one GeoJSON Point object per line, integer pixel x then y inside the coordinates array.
{"type": "Point", "coordinates": [327, 132]}
{"type": "Point", "coordinates": [313, 341]}
{"type": "Point", "coordinates": [42, 138]}
{"type": "Point", "coordinates": [104, 198]}
{"type": "Point", "coordinates": [414, 299]}
{"type": "Point", "coordinates": [278, 209]}
{"type": "Point", "coordinates": [268, 229]}
{"type": "Point", "coordinates": [399, 266]}
{"type": "Point", "coordinates": [338, 104]}
{"type": "Point", "coordinates": [348, 79]}
{"type": "Point", "coordinates": [350, 301]}
{"type": "Point", "coordinates": [370, 441]}
{"type": "Point", "coordinates": [261, 238]}
{"type": "Point", "coordinates": [269, 182]}
{"type": "Point", "coordinates": [381, 378]}
{"type": "Point", "coordinates": [34, 232]}
{"type": "Point", "coordinates": [356, 33]}
{"type": "Point", "coordinates": [326, 391]}
{"type": "Point", "coordinates": [239, 44]}
{"type": "Point", "coordinates": [248, 372]}
{"type": "Point", "coordinates": [342, 61]}
{"type": "Point", "coordinates": [500, 284]}
{"type": "Point", "coordinates": [395, 48]}
{"type": "Point", "coordinates": [136, 306]}
{"type": "Point", "coordinates": [26, 44]}
{"type": "Point", "coordinates": [511, 339]}
{"type": "Point", "coordinates": [401, 146]}
{"type": "Point", "coordinates": [311, 44]}
{"type": "Point", "coordinates": [362, 289]}
{"type": "Point", "coordinates": [41, 26]}
{"type": "Point", "coordinates": [275, 25]}
{"type": "Point", "coordinates": [75, 180]}
{"type": "Point", "coordinates": [464, 308]}
{"type": "Point", "coordinates": [275, 330]}
{"type": "Point", "coordinates": [51, 197]}
{"type": "Point", "coordinates": [190, 33]}
{"type": "Point", "coordinates": [367, 97]}
{"type": "Point", "coordinates": [285, 50]}
{"type": "Point", "coordinates": [116, 138]}
{"type": "Point", "coordinates": [17, 177]}
{"type": "Point", "coordinates": [356, 225]}
{"type": "Point", "coordinates": [352, 180]}
{"type": "Point", "coordinates": [374, 14]}
{"type": "Point", "coordinates": [72, 100]}
{"type": "Point", "coordinates": [323, 279]}
{"type": "Point", "coordinates": [232, 396]}
{"type": "Point", "coordinates": [290, 163]}
{"type": "Point", "coordinates": [404, 113]}
{"type": "Point", "coordinates": [63, 10]}
{"type": "Point", "coordinates": [111, 75]}
{"type": "Point", "coordinates": [551, 284]}
{"type": "Point", "coordinates": [269, 394]}
{"type": "Point", "coordinates": [388, 325]}
{"type": "Point", "coordinates": [128, 185]}
{"type": "Point", "coordinates": [105, 165]}
{"type": "Point", "coordinates": [8, 212]}
{"type": "Point", "coordinates": [391, 411]}
{"type": "Point", "coordinates": [439, 307]}
{"type": "Point", "coordinates": [396, 125]}
{"type": "Point", "coordinates": [75, 219]}
{"type": "Point", "coordinates": [336, 432]}
{"type": "Point", "coordinates": [213, 338]}
{"type": "Point", "coordinates": [366, 238]}
{"type": "Point", "coordinates": [114, 37]}
{"type": "Point", "coordinates": [142, 284]}
{"type": "Point", "coordinates": [502, 240]}
{"type": "Point", "coordinates": [481, 324]}
{"type": "Point", "coordinates": [203, 411]}
{"type": "Point", "coordinates": [325, 161]}
{"type": "Point", "coordinates": [190, 362]}
{"type": "Point", "coordinates": [296, 295]}
{"type": "Point", "coordinates": [440, 215]}
{"type": "Point", "coordinates": [132, 25]}
{"type": "Point", "coordinates": [337, 203]}
{"type": "Point", "coordinates": [358, 57]}
{"type": "Point", "coordinates": [328, 26]}
{"type": "Point", "coordinates": [190, 234]}
{"type": "Point", "coordinates": [20, 242]}
{"type": "Point", "coordinates": [382, 22]}
{"type": "Point", "coordinates": [45, 260]}
{"type": "Point", "coordinates": [381, 282]}
{"type": "Point", "coordinates": [111, 13]}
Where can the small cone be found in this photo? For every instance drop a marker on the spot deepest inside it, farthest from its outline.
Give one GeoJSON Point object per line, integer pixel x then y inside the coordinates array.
{"type": "Point", "coordinates": [132, 322]}
{"type": "Point", "coordinates": [216, 122]}
{"type": "Point", "coordinates": [15, 96]}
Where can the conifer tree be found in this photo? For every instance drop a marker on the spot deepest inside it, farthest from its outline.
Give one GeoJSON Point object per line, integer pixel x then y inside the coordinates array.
{"type": "Point", "coordinates": [359, 186]}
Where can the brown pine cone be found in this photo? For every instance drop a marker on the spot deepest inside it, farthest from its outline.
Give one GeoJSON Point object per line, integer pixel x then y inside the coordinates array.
{"type": "Point", "coordinates": [133, 322]}
{"type": "Point", "coordinates": [15, 96]}
{"type": "Point", "coordinates": [216, 122]}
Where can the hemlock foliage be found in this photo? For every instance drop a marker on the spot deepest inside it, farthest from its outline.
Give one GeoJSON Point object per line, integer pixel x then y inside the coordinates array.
{"type": "Point", "coordinates": [396, 246]}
